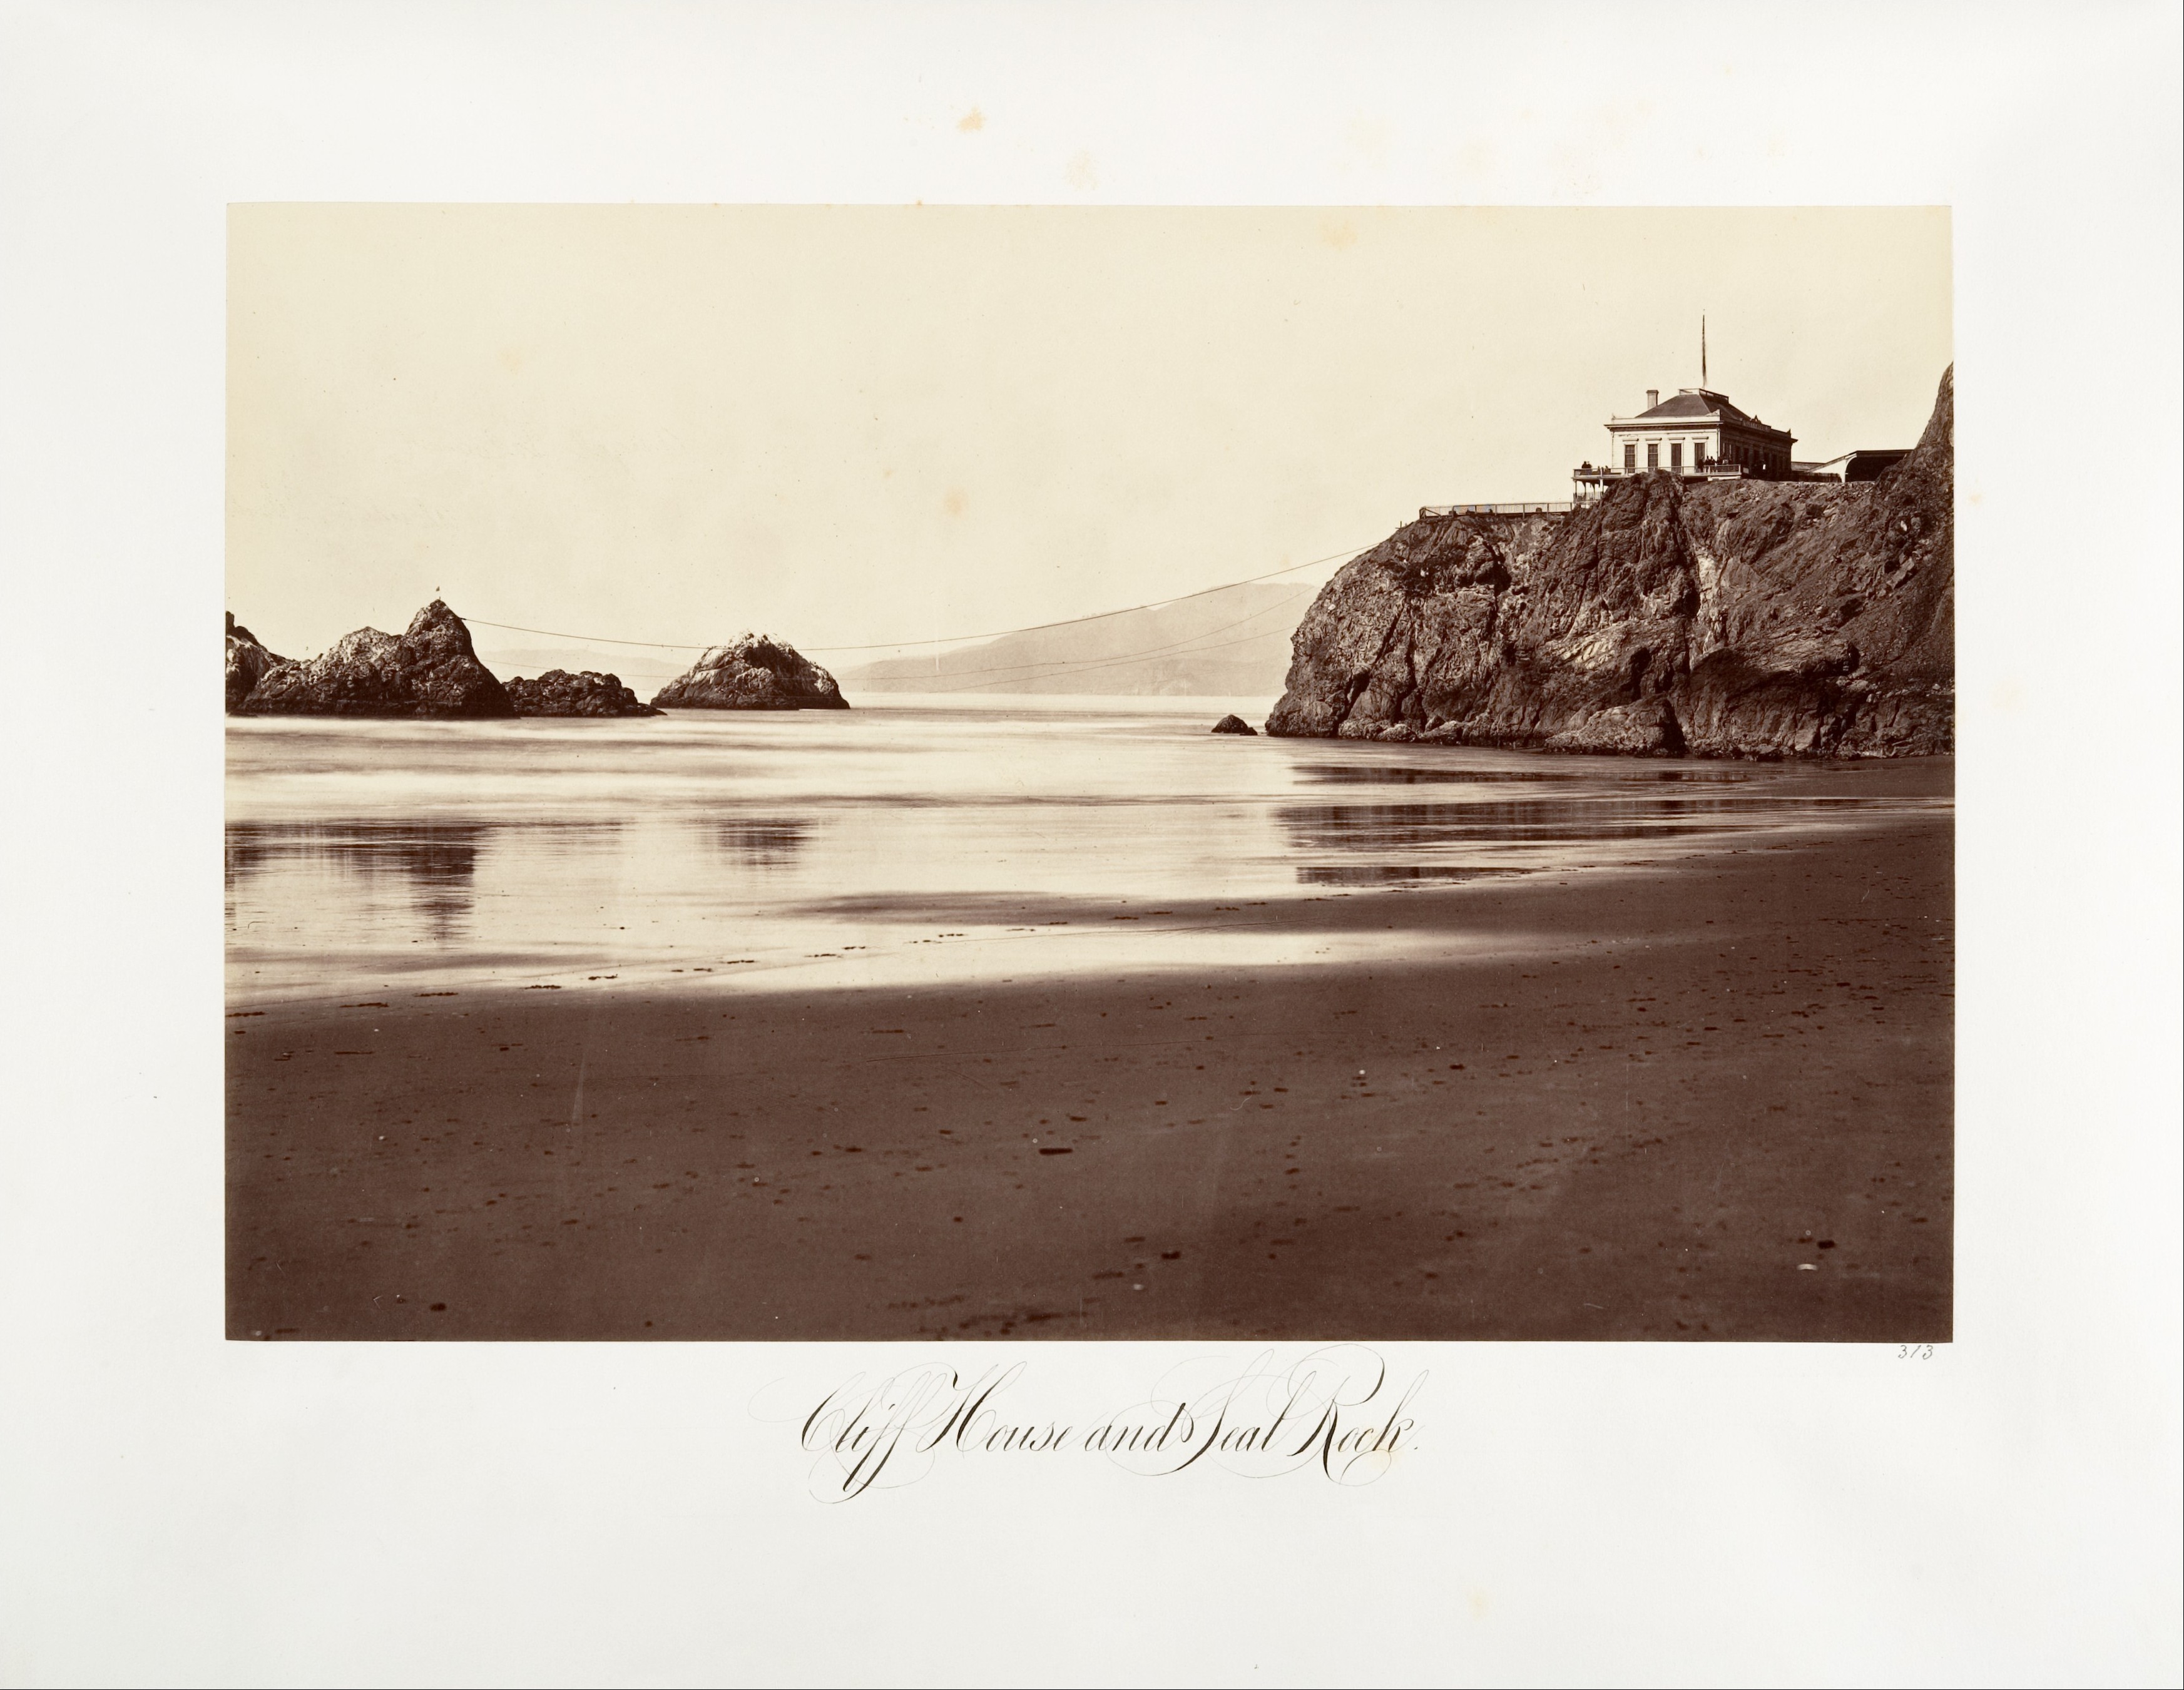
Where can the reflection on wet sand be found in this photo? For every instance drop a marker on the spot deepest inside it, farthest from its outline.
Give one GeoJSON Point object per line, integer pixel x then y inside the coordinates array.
{"type": "Point", "coordinates": [1396, 874]}
{"type": "Point", "coordinates": [903, 843]}
{"type": "Point", "coordinates": [1422, 774]}
{"type": "Point", "coordinates": [430, 853]}
{"type": "Point", "coordinates": [1368, 827]}
{"type": "Point", "coordinates": [435, 860]}
{"type": "Point", "coordinates": [1434, 773]}
{"type": "Point", "coordinates": [751, 843]}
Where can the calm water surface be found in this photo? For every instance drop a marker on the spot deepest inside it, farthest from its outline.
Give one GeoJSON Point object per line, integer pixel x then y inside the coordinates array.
{"type": "Point", "coordinates": [906, 840]}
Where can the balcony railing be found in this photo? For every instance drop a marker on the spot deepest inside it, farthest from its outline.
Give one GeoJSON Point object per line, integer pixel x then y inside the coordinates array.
{"type": "Point", "coordinates": [1710, 466]}
{"type": "Point", "coordinates": [1426, 513]}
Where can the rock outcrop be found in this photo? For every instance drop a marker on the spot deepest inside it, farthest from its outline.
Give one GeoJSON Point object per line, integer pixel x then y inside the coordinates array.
{"type": "Point", "coordinates": [559, 693]}
{"type": "Point", "coordinates": [1757, 618]}
{"type": "Point", "coordinates": [429, 669]}
{"type": "Point", "coordinates": [247, 662]}
{"type": "Point", "coordinates": [752, 673]}
{"type": "Point", "coordinates": [1234, 725]}
{"type": "Point", "coordinates": [1647, 728]}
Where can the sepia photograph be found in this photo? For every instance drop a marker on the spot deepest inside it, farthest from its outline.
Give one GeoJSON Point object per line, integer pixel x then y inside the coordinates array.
{"type": "Point", "coordinates": [930, 773]}
{"type": "Point", "coordinates": [1092, 843]}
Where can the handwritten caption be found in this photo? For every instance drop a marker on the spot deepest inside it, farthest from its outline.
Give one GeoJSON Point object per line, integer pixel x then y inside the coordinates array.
{"type": "Point", "coordinates": [1335, 1412]}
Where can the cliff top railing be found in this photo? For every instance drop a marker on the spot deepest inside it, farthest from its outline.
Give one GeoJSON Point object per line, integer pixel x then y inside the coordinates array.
{"type": "Point", "coordinates": [1718, 468]}
{"type": "Point", "coordinates": [1428, 512]}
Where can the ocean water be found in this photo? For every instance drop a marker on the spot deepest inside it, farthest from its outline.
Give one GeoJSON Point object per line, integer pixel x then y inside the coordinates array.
{"type": "Point", "coordinates": [911, 840]}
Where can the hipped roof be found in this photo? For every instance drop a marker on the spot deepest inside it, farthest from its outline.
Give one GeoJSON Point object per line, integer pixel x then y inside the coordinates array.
{"type": "Point", "coordinates": [1700, 402]}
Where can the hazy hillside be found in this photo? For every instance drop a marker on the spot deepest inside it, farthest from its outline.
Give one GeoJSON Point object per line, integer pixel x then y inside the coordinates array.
{"type": "Point", "coordinates": [1233, 642]}
{"type": "Point", "coordinates": [1230, 643]}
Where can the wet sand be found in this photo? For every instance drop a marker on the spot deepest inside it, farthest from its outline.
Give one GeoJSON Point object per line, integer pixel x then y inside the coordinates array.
{"type": "Point", "coordinates": [1708, 1100]}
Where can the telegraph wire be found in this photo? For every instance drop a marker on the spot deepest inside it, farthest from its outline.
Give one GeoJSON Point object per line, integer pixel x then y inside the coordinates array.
{"type": "Point", "coordinates": [1054, 669]}
{"type": "Point", "coordinates": [940, 640]}
{"type": "Point", "coordinates": [1066, 665]}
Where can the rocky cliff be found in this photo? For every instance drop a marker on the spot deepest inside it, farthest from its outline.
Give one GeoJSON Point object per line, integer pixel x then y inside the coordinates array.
{"type": "Point", "coordinates": [752, 673]}
{"type": "Point", "coordinates": [247, 662]}
{"type": "Point", "coordinates": [429, 669]}
{"type": "Point", "coordinates": [1762, 618]}
{"type": "Point", "coordinates": [559, 693]}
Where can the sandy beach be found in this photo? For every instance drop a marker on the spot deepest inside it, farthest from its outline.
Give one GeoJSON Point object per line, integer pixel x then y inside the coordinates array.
{"type": "Point", "coordinates": [1706, 1099]}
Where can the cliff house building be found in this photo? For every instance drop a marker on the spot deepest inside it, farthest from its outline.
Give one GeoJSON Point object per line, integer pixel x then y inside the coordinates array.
{"type": "Point", "coordinates": [1698, 435]}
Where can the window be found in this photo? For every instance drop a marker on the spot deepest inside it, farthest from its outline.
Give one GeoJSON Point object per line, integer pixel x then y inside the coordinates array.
{"type": "Point", "coordinates": [1675, 454]}
{"type": "Point", "coordinates": [1629, 454]}
{"type": "Point", "coordinates": [1698, 454]}
{"type": "Point", "coordinates": [1652, 454]}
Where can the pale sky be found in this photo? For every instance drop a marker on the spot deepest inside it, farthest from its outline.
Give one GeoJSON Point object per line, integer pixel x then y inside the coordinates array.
{"type": "Point", "coordinates": [848, 425]}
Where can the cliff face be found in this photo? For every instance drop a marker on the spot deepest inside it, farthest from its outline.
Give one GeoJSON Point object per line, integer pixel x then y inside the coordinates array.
{"type": "Point", "coordinates": [559, 693]}
{"type": "Point", "coordinates": [247, 662]}
{"type": "Point", "coordinates": [1753, 620]}
{"type": "Point", "coordinates": [753, 673]}
{"type": "Point", "coordinates": [427, 670]}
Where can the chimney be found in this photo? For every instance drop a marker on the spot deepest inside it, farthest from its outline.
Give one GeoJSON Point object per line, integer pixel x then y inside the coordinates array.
{"type": "Point", "coordinates": [1652, 398]}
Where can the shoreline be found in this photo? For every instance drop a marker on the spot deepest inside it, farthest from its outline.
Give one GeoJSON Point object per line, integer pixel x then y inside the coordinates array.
{"type": "Point", "coordinates": [1708, 1099]}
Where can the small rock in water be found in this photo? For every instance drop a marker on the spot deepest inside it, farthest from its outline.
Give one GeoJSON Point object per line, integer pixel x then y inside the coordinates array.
{"type": "Point", "coordinates": [1234, 725]}
{"type": "Point", "coordinates": [559, 693]}
{"type": "Point", "coordinates": [753, 672]}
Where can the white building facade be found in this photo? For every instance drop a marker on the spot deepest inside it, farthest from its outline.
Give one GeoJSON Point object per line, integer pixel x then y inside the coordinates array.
{"type": "Point", "coordinates": [1697, 435]}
